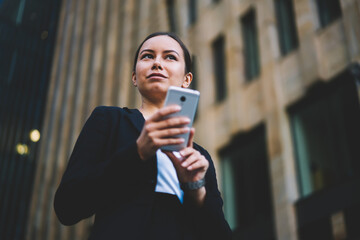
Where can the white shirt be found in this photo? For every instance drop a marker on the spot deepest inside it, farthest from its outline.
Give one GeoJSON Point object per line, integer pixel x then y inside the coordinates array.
{"type": "Point", "coordinates": [167, 180]}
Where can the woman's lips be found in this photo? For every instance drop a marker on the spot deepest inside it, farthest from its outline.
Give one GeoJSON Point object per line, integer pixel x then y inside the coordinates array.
{"type": "Point", "coordinates": [156, 76]}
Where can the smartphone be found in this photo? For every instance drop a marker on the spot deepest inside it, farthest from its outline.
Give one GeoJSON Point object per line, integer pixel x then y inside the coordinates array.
{"type": "Point", "coordinates": [188, 100]}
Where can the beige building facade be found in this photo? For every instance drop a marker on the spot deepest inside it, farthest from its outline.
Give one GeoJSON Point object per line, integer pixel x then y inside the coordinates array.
{"type": "Point", "coordinates": [92, 66]}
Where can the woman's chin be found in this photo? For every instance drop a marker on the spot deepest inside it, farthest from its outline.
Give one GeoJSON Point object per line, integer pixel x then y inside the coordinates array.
{"type": "Point", "coordinates": [155, 92]}
{"type": "Point", "coordinates": [159, 87]}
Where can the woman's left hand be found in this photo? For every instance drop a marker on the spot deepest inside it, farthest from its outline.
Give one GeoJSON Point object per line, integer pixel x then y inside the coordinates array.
{"type": "Point", "coordinates": [192, 166]}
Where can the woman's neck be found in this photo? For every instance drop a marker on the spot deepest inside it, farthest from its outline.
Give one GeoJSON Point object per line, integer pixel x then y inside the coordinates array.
{"type": "Point", "coordinates": [149, 108]}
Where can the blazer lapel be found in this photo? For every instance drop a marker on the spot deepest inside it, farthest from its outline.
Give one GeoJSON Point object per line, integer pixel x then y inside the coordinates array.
{"type": "Point", "coordinates": [135, 117]}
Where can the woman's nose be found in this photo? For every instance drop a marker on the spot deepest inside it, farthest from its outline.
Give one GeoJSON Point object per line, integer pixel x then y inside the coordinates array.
{"type": "Point", "coordinates": [157, 64]}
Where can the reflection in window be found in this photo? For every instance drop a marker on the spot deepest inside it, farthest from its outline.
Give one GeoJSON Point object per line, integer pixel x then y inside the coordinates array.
{"type": "Point", "coordinates": [326, 134]}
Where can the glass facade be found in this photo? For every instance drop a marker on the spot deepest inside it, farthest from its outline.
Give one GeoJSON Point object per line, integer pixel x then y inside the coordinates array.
{"type": "Point", "coordinates": [27, 34]}
{"type": "Point", "coordinates": [246, 186]}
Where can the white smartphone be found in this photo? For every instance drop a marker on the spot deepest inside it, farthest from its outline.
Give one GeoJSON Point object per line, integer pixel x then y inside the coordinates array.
{"type": "Point", "coordinates": [188, 100]}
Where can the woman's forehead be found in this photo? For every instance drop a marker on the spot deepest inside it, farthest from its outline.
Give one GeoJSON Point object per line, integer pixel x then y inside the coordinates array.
{"type": "Point", "coordinates": [162, 43]}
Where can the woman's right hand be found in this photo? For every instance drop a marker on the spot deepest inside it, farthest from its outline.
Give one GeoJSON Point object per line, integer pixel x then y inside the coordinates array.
{"type": "Point", "coordinates": [159, 131]}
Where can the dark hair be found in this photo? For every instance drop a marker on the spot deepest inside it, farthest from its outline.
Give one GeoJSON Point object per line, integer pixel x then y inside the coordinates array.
{"type": "Point", "coordinates": [176, 38]}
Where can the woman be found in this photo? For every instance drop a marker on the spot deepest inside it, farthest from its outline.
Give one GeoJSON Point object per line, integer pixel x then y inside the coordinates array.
{"type": "Point", "coordinates": [117, 172]}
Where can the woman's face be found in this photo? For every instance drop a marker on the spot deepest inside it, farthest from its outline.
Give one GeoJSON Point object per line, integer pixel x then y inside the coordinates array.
{"type": "Point", "coordinates": [160, 64]}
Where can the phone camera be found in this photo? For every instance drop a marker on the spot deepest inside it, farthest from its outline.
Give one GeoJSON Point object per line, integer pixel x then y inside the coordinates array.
{"type": "Point", "coordinates": [183, 98]}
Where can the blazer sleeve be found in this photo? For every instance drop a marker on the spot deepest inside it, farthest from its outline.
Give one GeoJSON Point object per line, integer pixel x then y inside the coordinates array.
{"type": "Point", "coordinates": [209, 221]}
{"type": "Point", "coordinates": [92, 177]}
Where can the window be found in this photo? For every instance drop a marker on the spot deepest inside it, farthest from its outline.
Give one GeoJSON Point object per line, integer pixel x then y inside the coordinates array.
{"type": "Point", "coordinates": [194, 82]}
{"type": "Point", "coordinates": [218, 47]}
{"type": "Point", "coordinates": [328, 10]}
{"type": "Point", "coordinates": [192, 4]}
{"type": "Point", "coordinates": [247, 186]}
{"type": "Point", "coordinates": [170, 5]}
{"type": "Point", "coordinates": [286, 25]}
{"type": "Point", "coordinates": [251, 48]}
{"type": "Point", "coordinates": [326, 133]}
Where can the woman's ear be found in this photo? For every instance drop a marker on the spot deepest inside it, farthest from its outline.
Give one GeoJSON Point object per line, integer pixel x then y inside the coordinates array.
{"type": "Point", "coordinates": [187, 80]}
{"type": "Point", "coordinates": [133, 79]}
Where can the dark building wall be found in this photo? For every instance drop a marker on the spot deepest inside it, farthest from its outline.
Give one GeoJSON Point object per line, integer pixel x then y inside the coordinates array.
{"type": "Point", "coordinates": [27, 37]}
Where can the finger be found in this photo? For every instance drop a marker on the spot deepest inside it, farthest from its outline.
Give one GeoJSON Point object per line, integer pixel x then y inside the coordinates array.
{"type": "Point", "coordinates": [170, 123]}
{"type": "Point", "coordinates": [197, 165]}
{"type": "Point", "coordinates": [170, 132]}
{"type": "Point", "coordinates": [191, 137]}
{"type": "Point", "coordinates": [165, 111]}
{"type": "Point", "coordinates": [187, 152]}
{"type": "Point", "coordinates": [190, 160]}
{"type": "Point", "coordinates": [167, 141]}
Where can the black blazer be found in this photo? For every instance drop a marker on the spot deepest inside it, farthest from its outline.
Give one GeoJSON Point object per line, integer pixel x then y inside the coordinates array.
{"type": "Point", "coordinates": [106, 177]}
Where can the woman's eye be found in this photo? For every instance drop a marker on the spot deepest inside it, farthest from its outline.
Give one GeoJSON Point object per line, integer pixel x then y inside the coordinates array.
{"type": "Point", "coordinates": [171, 57]}
{"type": "Point", "coordinates": [146, 56]}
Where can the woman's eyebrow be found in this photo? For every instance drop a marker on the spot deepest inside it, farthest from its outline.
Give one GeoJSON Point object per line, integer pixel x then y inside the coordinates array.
{"type": "Point", "coordinates": [166, 51]}
{"type": "Point", "coordinates": [173, 51]}
{"type": "Point", "coordinates": [146, 50]}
